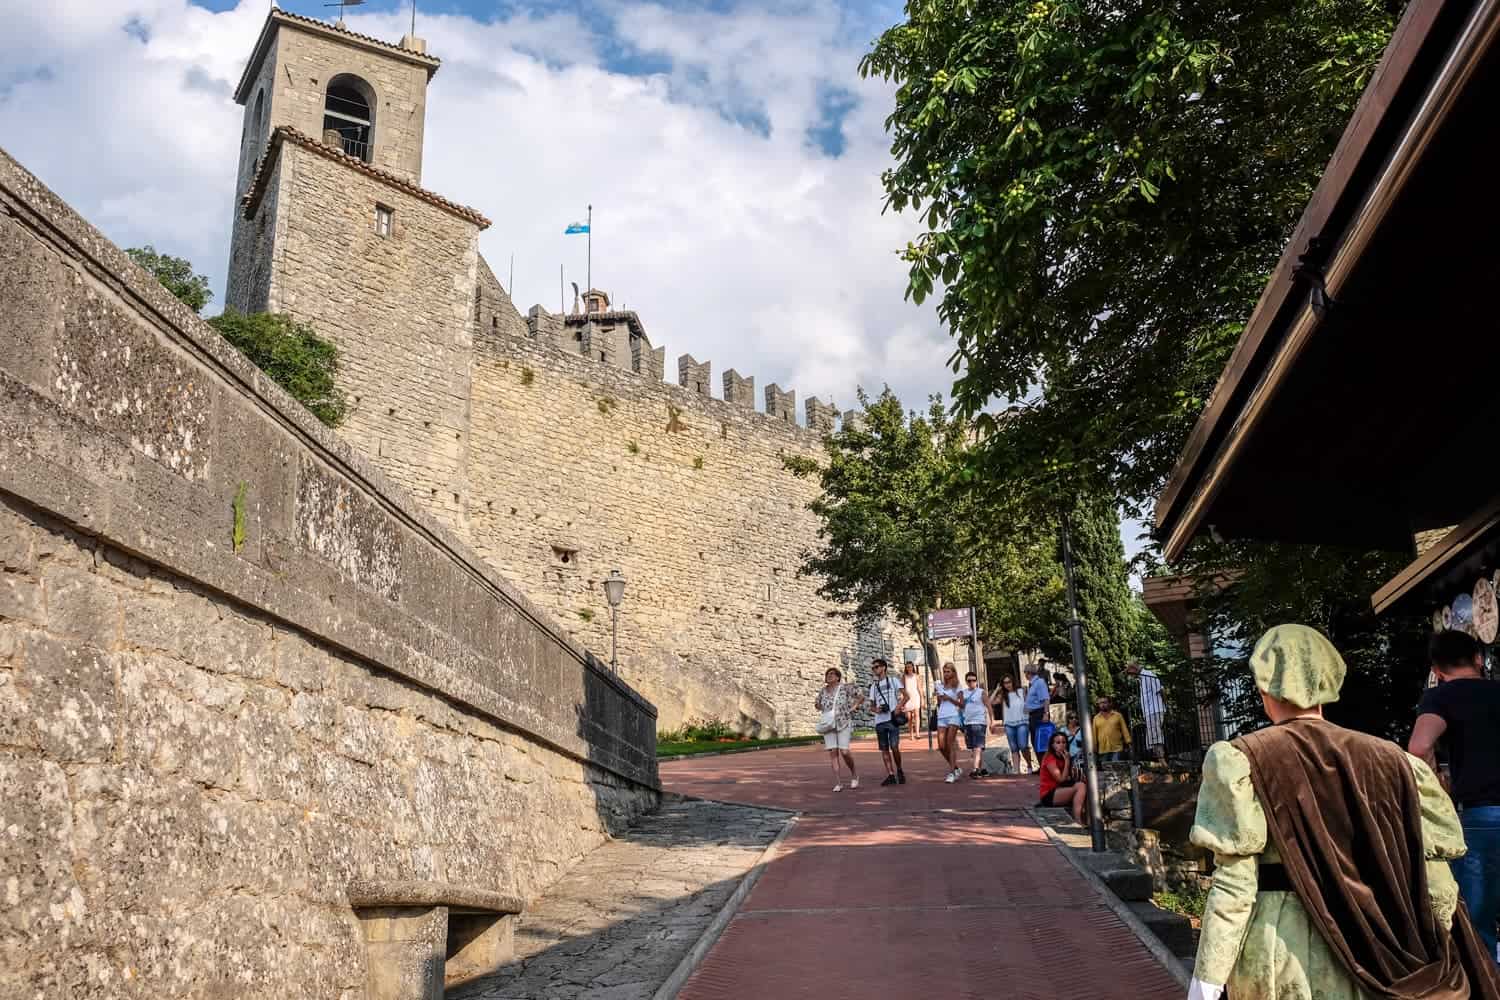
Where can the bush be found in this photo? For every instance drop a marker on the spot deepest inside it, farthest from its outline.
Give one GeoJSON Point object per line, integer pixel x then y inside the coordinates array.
{"type": "Point", "coordinates": [293, 356]}
{"type": "Point", "coordinates": [176, 276]}
{"type": "Point", "coordinates": [705, 731]}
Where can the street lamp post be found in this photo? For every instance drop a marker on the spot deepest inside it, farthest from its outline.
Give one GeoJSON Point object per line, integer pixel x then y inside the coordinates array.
{"type": "Point", "coordinates": [614, 592]}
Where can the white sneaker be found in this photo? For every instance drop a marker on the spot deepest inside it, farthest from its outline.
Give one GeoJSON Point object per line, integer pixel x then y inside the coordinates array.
{"type": "Point", "coordinates": [838, 788]}
{"type": "Point", "coordinates": [952, 777]}
{"type": "Point", "coordinates": [853, 782]}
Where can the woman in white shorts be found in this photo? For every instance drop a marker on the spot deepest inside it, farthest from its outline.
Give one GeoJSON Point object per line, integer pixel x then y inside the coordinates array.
{"type": "Point", "coordinates": [949, 700]}
{"type": "Point", "coordinates": [836, 703]}
{"type": "Point", "coordinates": [913, 707]}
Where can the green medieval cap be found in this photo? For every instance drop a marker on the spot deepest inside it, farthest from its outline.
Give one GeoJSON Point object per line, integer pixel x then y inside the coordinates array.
{"type": "Point", "coordinates": [1299, 665]}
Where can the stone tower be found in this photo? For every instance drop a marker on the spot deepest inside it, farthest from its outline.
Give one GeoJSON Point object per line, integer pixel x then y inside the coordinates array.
{"type": "Point", "coordinates": [333, 227]}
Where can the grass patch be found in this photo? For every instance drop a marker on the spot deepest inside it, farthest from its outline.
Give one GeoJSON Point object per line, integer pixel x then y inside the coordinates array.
{"type": "Point", "coordinates": [665, 748]}
{"type": "Point", "coordinates": [1184, 899]}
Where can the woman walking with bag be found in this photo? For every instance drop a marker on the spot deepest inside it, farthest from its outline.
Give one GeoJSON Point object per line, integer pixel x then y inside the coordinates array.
{"type": "Point", "coordinates": [836, 703]}
{"type": "Point", "coordinates": [950, 701]}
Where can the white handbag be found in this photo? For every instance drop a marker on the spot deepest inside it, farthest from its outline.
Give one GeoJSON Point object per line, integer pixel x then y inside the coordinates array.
{"type": "Point", "coordinates": [828, 723]}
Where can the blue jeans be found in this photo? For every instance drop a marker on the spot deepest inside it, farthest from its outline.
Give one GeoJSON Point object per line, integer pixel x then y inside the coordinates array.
{"type": "Point", "coordinates": [1019, 736]}
{"type": "Point", "coordinates": [1478, 872]}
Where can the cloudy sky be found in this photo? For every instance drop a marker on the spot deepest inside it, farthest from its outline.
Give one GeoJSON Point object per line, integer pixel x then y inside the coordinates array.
{"type": "Point", "coordinates": [729, 147]}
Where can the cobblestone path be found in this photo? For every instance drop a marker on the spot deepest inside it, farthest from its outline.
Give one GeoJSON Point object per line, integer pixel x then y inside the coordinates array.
{"type": "Point", "coordinates": [618, 924]}
{"type": "Point", "coordinates": [920, 890]}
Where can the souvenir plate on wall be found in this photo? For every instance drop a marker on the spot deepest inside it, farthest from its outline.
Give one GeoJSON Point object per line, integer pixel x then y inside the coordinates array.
{"type": "Point", "coordinates": [1486, 612]}
{"type": "Point", "coordinates": [1463, 613]}
{"type": "Point", "coordinates": [1447, 617]}
{"type": "Point", "coordinates": [1437, 619]}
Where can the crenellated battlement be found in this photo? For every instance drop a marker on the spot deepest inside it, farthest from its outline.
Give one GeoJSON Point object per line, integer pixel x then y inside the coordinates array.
{"type": "Point", "coordinates": [738, 389]}
{"type": "Point", "coordinates": [781, 405]}
{"type": "Point", "coordinates": [692, 375]}
{"type": "Point", "coordinates": [618, 338]}
{"type": "Point", "coordinates": [821, 416]}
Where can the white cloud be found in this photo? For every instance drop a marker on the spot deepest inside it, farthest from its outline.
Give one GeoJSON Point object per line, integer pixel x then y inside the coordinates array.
{"type": "Point", "coordinates": [716, 217]}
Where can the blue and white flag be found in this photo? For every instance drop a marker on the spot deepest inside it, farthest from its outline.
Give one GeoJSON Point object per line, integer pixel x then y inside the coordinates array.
{"type": "Point", "coordinates": [575, 228]}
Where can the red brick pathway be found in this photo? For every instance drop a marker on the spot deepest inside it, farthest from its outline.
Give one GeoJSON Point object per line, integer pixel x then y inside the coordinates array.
{"type": "Point", "coordinates": [915, 891]}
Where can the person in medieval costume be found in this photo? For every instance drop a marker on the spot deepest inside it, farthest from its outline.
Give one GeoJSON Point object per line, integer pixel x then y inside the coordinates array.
{"type": "Point", "coordinates": [1332, 850]}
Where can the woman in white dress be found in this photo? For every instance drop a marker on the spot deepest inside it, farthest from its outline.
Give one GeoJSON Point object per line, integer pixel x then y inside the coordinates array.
{"type": "Point", "coordinates": [913, 707]}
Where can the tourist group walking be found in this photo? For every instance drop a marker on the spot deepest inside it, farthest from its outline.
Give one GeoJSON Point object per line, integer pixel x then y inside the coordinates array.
{"type": "Point", "coordinates": [963, 716]}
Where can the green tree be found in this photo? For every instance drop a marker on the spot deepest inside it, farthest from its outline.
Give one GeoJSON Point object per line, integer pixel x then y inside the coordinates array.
{"type": "Point", "coordinates": [903, 530]}
{"type": "Point", "coordinates": [1103, 585]}
{"type": "Point", "coordinates": [1328, 589]}
{"type": "Point", "coordinates": [1105, 188]}
{"type": "Point", "coordinates": [175, 274]}
{"type": "Point", "coordinates": [887, 542]}
{"type": "Point", "coordinates": [293, 356]}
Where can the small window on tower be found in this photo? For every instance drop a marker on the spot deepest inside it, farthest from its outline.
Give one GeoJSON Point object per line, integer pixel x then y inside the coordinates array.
{"type": "Point", "coordinates": [384, 217]}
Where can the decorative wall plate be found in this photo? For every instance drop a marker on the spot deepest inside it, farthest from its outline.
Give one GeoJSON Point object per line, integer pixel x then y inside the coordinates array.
{"type": "Point", "coordinates": [1486, 612]}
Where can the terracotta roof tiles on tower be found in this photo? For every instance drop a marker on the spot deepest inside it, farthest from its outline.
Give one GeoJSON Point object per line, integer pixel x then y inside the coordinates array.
{"type": "Point", "coordinates": [278, 17]}
{"type": "Point", "coordinates": [285, 134]}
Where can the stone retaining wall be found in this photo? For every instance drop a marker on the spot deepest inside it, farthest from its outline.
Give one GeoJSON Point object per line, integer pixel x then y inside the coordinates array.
{"type": "Point", "coordinates": [239, 669]}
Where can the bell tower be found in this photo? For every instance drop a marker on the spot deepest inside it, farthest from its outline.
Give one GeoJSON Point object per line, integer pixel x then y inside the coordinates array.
{"type": "Point", "coordinates": [366, 96]}
{"type": "Point", "coordinates": [333, 228]}
{"type": "Point", "coordinates": [322, 83]}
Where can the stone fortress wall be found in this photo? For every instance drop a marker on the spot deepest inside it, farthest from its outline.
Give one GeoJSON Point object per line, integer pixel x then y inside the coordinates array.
{"type": "Point", "coordinates": [577, 467]}
{"type": "Point", "coordinates": [551, 442]}
{"type": "Point", "coordinates": [241, 671]}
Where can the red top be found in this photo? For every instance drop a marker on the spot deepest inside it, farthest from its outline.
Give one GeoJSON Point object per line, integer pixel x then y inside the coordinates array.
{"type": "Point", "coordinates": [1048, 782]}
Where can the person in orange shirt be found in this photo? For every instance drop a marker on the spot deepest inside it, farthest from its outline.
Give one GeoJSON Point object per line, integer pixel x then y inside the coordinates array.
{"type": "Point", "coordinates": [1111, 734]}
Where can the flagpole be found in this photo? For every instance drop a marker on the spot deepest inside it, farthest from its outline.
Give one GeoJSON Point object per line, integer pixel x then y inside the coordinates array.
{"type": "Point", "coordinates": [589, 274]}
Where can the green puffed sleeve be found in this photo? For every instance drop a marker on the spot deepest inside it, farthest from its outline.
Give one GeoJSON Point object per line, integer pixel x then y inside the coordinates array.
{"type": "Point", "coordinates": [1229, 819]}
{"type": "Point", "coordinates": [1442, 841]}
{"type": "Point", "coordinates": [1230, 823]}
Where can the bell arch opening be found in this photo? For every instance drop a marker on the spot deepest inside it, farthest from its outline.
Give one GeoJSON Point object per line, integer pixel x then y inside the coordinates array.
{"type": "Point", "coordinates": [349, 111]}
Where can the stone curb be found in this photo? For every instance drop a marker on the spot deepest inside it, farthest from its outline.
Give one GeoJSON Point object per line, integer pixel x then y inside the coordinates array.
{"type": "Point", "coordinates": [711, 934]}
{"type": "Point", "coordinates": [1153, 944]}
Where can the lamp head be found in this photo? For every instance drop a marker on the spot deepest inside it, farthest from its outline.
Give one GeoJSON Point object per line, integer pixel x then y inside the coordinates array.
{"type": "Point", "coordinates": [614, 588]}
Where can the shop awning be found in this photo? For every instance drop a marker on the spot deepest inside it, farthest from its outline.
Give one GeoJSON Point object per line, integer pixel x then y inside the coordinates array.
{"type": "Point", "coordinates": [1370, 415]}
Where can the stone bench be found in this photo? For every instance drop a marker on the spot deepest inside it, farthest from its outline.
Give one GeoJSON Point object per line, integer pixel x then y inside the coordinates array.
{"type": "Point", "coordinates": [421, 937]}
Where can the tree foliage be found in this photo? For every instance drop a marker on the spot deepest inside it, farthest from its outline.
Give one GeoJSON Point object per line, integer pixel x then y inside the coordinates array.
{"type": "Point", "coordinates": [904, 528]}
{"type": "Point", "coordinates": [293, 356]}
{"type": "Point", "coordinates": [1328, 589]}
{"type": "Point", "coordinates": [1105, 188]}
{"type": "Point", "coordinates": [175, 274]}
{"type": "Point", "coordinates": [1103, 588]}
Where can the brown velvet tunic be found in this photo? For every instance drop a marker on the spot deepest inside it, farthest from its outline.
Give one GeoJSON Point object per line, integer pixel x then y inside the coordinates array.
{"type": "Point", "coordinates": [1343, 812]}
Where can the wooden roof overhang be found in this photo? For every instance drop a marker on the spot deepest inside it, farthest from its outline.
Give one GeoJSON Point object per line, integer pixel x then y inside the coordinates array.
{"type": "Point", "coordinates": [1363, 420]}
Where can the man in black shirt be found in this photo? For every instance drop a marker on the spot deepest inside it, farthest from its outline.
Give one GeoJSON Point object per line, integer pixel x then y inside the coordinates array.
{"type": "Point", "coordinates": [1464, 710]}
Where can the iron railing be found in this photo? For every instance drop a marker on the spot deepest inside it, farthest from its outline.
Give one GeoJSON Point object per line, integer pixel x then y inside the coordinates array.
{"type": "Point", "coordinates": [354, 147]}
{"type": "Point", "coordinates": [1193, 719]}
